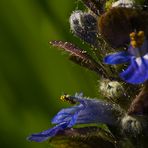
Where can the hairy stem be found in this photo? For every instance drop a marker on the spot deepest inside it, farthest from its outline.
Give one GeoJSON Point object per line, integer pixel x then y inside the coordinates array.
{"type": "Point", "coordinates": [140, 104]}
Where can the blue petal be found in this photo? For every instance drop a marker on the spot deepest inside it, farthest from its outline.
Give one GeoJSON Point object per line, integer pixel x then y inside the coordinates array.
{"type": "Point", "coordinates": [89, 111]}
{"type": "Point", "coordinates": [42, 136]}
{"type": "Point", "coordinates": [97, 111]}
{"type": "Point", "coordinates": [137, 72]}
{"type": "Point", "coordinates": [68, 115]}
{"type": "Point", "coordinates": [117, 58]}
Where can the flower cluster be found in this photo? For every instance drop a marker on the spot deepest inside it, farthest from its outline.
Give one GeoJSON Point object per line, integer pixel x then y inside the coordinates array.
{"type": "Point", "coordinates": [108, 26]}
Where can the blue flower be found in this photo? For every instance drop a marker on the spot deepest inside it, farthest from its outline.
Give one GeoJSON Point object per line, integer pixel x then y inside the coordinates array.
{"type": "Point", "coordinates": [87, 111]}
{"type": "Point", "coordinates": [136, 55]}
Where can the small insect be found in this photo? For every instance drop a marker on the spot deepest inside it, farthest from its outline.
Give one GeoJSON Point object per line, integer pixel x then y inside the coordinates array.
{"type": "Point", "coordinates": [68, 98]}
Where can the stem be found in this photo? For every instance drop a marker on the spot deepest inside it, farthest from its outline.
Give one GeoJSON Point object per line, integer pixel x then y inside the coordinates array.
{"type": "Point", "coordinates": [140, 104]}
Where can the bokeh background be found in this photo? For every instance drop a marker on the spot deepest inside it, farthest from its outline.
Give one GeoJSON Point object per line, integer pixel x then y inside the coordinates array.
{"type": "Point", "coordinates": [33, 75]}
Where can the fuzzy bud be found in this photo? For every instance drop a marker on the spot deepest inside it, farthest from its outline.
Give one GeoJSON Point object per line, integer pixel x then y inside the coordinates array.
{"type": "Point", "coordinates": [131, 126]}
{"type": "Point", "coordinates": [84, 25]}
{"type": "Point", "coordinates": [111, 89]}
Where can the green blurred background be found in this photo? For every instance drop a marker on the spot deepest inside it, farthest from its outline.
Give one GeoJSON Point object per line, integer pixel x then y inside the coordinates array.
{"type": "Point", "coordinates": [32, 74]}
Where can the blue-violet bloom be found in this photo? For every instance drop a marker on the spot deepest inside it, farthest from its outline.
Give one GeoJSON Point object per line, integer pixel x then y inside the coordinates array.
{"type": "Point", "coordinates": [85, 112]}
{"type": "Point", "coordinates": [136, 55]}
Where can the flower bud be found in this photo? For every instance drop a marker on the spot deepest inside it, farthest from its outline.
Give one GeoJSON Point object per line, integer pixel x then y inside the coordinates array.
{"type": "Point", "coordinates": [111, 89]}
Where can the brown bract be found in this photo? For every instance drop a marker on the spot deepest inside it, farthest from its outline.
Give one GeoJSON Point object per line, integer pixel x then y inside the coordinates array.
{"type": "Point", "coordinates": [140, 104]}
{"type": "Point", "coordinates": [116, 24]}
